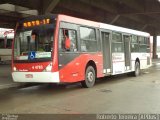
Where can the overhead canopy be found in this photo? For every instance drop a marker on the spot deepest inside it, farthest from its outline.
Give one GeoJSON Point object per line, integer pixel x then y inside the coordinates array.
{"type": "Point", "coordinates": [143, 15]}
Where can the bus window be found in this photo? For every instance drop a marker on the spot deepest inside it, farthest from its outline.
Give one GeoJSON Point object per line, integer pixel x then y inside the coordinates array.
{"type": "Point", "coordinates": [72, 35]}
{"type": "Point", "coordinates": [148, 44]}
{"type": "Point", "coordinates": [2, 43]}
{"type": "Point", "coordinates": [9, 43]}
{"type": "Point", "coordinates": [88, 39]}
{"type": "Point", "coordinates": [142, 45]}
{"type": "Point", "coordinates": [134, 44]}
{"type": "Point", "coordinates": [134, 39]}
{"type": "Point", "coordinates": [117, 44]}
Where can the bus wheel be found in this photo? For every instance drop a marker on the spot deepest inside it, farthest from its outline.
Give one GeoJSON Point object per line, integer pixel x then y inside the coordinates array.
{"type": "Point", "coordinates": [89, 77]}
{"type": "Point", "coordinates": [137, 69]}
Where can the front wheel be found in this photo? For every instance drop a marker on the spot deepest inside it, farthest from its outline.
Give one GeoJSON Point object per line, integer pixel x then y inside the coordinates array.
{"type": "Point", "coordinates": [90, 77]}
{"type": "Point", "coordinates": [137, 69]}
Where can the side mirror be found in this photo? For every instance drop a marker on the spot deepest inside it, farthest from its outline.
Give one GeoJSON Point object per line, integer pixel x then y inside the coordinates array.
{"type": "Point", "coordinates": [67, 43]}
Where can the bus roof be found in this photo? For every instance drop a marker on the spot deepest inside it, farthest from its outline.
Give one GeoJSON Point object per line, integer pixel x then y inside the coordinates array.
{"type": "Point", "coordinates": [101, 25]}
{"type": "Point", "coordinates": [75, 20]}
{"type": "Point", "coordinates": [122, 29]}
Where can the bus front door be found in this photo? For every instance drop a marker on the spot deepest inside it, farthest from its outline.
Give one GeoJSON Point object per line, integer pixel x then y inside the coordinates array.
{"type": "Point", "coordinates": [106, 48]}
{"type": "Point", "coordinates": [127, 52]}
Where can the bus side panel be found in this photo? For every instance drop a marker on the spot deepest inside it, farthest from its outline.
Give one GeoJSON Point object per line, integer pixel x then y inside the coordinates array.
{"type": "Point", "coordinates": [118, 63]}
{"type": "Point", "coordinates": [74, 70]}
{"type": "Point", "coordinates": [143, 60]}
{"type": "Point", "coordinates": [97, 59]}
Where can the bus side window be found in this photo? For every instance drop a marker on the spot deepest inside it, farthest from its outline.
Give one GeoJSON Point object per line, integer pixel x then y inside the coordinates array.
{"type": "Point", "coordinates": [72, 35]}
{"type": "Point", "coordinates": [88, 39]}
{"type": "Point", "coordinates": [2, 43]}
{"type": "Point", "coordinates": [9, 43]}
{"type": "Point", "coordinates": [117, 42]}
{"type": "Point", "coordinates": [134, 44]}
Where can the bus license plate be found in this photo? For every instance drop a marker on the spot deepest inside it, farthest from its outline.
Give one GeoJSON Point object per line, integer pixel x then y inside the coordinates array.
{"type": "Point", "coordinates": [29, 75]}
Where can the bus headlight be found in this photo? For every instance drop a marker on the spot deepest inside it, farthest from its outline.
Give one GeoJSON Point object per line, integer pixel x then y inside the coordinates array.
{"type": "Point", "coordinates": [48, 68]}
{"type": "Point", "coordinates": [14, 69]}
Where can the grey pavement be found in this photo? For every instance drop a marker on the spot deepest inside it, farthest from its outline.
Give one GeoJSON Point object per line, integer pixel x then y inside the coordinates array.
{"type": "Point", "coordinates": [5, 77]}
{"type": "Point", "coordinates": [117, 94]}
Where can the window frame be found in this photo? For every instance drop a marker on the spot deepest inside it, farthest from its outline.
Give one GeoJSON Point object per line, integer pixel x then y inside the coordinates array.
{"type": "Point", "coordinates": [145, 43]}
{"type": "Point", "coordinates": [115, 42]}
{"type": "Point", "coordinates": [63, 49]}
{"type": "Point", "coordinates": [134, 43]}
{"type": "Point", "coordinates": [90, 40]}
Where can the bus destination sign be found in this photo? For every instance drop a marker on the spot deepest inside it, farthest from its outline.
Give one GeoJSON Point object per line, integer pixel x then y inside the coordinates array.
{"type": "Point", "coordinates": [36, 23]}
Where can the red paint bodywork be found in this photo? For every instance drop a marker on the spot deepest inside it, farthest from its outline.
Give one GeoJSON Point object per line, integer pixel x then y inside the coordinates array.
{"type": "Point", "coordinates": [75, 70]}
{"type": "Point", "coordinates": [31, 67]}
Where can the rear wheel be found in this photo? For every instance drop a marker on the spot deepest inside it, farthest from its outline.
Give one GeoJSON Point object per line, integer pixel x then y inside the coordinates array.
{"type": "Point", "coordinates": [137, 69]}
{"type": "Point", "coordinates": [89, 77]}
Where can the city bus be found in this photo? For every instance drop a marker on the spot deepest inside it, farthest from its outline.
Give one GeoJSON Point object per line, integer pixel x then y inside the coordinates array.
{"type": "Point", "coordinates": [65, 49]}
{"type": "Point", "coordinates": [6, 38]}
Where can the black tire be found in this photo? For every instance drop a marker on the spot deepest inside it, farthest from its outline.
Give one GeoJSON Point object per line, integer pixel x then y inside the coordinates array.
{"type": "Point", "coordinates": [90, 77]}
{"type": "Point", "coordinates": [137, 69]}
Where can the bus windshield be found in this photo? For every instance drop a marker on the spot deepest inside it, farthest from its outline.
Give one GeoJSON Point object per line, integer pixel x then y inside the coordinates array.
{"type": "Point", "coordinates": [34, 43]}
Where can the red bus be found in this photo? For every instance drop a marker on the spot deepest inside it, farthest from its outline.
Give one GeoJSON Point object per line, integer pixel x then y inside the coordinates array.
{"type": "Point", "coordinates": [65, 49]}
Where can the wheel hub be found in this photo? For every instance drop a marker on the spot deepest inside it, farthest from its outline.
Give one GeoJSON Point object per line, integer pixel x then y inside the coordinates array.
{"type": "Point", "coordinates": [90, 76]}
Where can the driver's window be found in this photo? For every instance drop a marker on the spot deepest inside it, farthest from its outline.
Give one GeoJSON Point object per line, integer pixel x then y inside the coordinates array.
{"type": "Point", "coordinates": [72, 35]}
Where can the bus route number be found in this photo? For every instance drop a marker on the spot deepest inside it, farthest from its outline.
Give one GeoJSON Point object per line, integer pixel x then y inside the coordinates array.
{"type": "Point", "coordinates": [37, 67]}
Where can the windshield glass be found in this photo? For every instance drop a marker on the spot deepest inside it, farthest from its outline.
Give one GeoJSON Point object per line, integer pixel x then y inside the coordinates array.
{"type": "Point", "coordinates": [34, 43]}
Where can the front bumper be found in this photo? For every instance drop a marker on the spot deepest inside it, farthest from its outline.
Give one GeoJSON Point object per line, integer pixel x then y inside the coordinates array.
{"type": "Point", "coordinates": [36, 77]}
